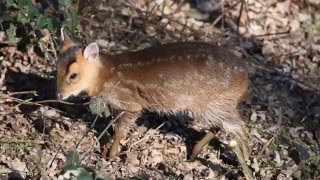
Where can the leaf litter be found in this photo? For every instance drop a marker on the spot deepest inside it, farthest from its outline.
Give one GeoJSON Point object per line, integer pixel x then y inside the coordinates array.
{"type": "Point", "coordinates": [281, 114]}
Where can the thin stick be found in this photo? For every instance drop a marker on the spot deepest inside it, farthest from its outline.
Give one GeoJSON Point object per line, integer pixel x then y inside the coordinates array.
{"type": "Point", "coordinates": [138, 10]}
{"type": "Point", "coordinates": [39, 102]}
{"type": "Point", "coordinates": [60, 147]}
{"type": "Point", "coordinates": [9, 95]}
{"type": "Point", "coordinates": [240, 14]}
{"type": "Point", "coordinates": [16, 106]}
{"type": "Point", "coordinates": [1, 26]}
{"type": "Point", "coordinates": [265, 147]}
{"type": "Point", "coordinates": [88, 130]}
{"type": "Point", "coordinates": [272, 34]}
{"type": "Point", "coordinates": [217, 20]}
{"type": "Point", "coordinates": [15, 141]}
{"type": "Point", "coordinates": [246, 170]}
{"type": "Point", "coordinates": [53, 49]}
{"type": "Point", "coordinates": [103, 132]}
{"type": "Point", "coordinates": [22, 92]}
{"type": "Point", "coordinates": [111, 122]}
{"type": "Point", "coordinates": [147, 134]}
{"type": "Point", "coordinates": [56, 154]}
{"type": "Point", "coordinates": [253, 62]}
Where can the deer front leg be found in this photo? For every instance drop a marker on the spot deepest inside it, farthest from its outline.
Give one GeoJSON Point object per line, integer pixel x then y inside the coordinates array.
{"type": "Point", "coordinates": [122, 127]}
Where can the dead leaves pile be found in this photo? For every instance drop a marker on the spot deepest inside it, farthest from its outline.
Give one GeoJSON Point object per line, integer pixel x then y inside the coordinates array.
{"type": "Point", "coordinates": [283, 118]}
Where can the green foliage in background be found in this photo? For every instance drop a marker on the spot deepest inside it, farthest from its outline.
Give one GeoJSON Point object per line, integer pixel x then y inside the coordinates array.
{"type": "Point", "coordinates": [19, 18]}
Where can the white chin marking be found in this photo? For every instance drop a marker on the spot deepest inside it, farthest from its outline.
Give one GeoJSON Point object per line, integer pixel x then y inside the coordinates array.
{"type": "Point", "coordinates": [74, 93]}
{"type": "Point", "coordinates": [65, 97]}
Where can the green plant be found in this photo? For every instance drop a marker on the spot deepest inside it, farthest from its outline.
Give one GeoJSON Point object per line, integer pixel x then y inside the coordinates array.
{"type": "Point", "coordinates": [74, 168]}
{"type": "Point", "coordinates": [281, 138]}
{"type": "Point", "coordinates": [12, 148]}
{"type": "Point", "coordinates": [311, 29]}
{"type": "Point", "coordinates": [315, 161]}
{"type": "Point", "coordinates": [21, 18]}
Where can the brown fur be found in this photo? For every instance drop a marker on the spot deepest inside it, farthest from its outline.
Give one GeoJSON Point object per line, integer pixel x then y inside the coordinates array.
{"type": "Point", "coordinates": [204, 79]}
{"type": "Point", "coordinates": [67, 43]}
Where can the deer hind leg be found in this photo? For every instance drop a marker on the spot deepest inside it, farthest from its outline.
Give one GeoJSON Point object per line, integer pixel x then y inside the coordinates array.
{"type": "Point", "coordinates": [223, 114]}
{"type": "Point", "coordinates": [235, 125]}
{"type": "Point", "coordinates": [241, 148]}
{"type": "Point", "coordinates": [202, 143]}
{"type": "Point", "coordinates": [122, 128]}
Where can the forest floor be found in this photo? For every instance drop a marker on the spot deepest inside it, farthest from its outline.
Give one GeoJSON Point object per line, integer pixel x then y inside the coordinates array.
{"type": "Point", "coordinates": [280, 40]}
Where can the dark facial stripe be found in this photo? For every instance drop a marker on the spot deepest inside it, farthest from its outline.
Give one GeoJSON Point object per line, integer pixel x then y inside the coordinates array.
{"type": "Point", "coordinates": [69, 54]}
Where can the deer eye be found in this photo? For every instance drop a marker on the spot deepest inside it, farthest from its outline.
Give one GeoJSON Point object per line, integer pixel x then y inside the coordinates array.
{"type": "Point", "coordinates": [73, 77]}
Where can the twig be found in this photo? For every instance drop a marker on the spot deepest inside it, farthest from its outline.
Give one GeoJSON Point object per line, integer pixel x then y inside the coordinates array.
{"type": "Point", "coordinates": [77, 6]}
{"type": "Point", "coordinates": [1, 26]}
{"type": "Point", "coordinates": [113, 26]}
{"type": "Point", "coordinates": [153, 7]}
{"type": "Point", "coordinates": [122, 29]}
{"type": "Point", "coordinates": [53, 49]}
{"type": "Point", "coordinates": [179, 6]}
{"type": "Point", "coordinates": [9, 95]}
{"type": "Point", "coordinates": [40, 165]}
{"type": "Point", "coordinates": [138, 10]}
{"type": "Point", "coordinates": [246, 170]}
{"type": "Point", "coordinates": [15, 141]}
{"type": "Point", "coordinates": [240, 14]}
{"type": "Point", "coordinates": [130, 23]}
{"type": "Point", "coordinates": [22, 92]}
{"type": "Point", "coordinates": [182, 29]}
{"type": "Point", "coordinates": [147, 134]}
{"type": "Point", "coordinates": [56, 154]}
{"type": "Point", "coordinates": [27, 102]}
{"type": "Point", "coordinates": [314, 157]}
{"type": "Point", "coordinates": [90, 23]}
{"type": "Point", "coordinates": [50, 6]}
{"type": "Point", "coordinates": [52, 100]}
{"type": "Point", "coordinates": [111, 122]}
{"type": "Point", "coordinates": [227, 172]}
{"type": "Point", "coordinates": [271, 34]}
{"type": "Point", "coordinates": [103, 132]}
{"type": "Point", "coordinates": [214, 23]}
{"type": "Point", "coordinates": [253, 62]}
{"type": "Point", "coordinates": [222, 13]}
{"type": "Point", "coordinates": [88, 130]}
{"type": "Point", "coordinates": [42, 102]}
{"type": "Point", "coordinates": [39, 102]}
{"type": "Point", "coordinates": [265, 147]}
{"type": "Point", "coordinates": [60, 147]}
{"type": "Point", "coordinates": [16, 106]}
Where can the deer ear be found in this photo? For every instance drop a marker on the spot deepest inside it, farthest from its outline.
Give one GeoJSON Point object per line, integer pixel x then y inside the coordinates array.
{"type": "Point", "coordinates": [91, 52]}
{"type": "Point", "coordinates": [67, 41]}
